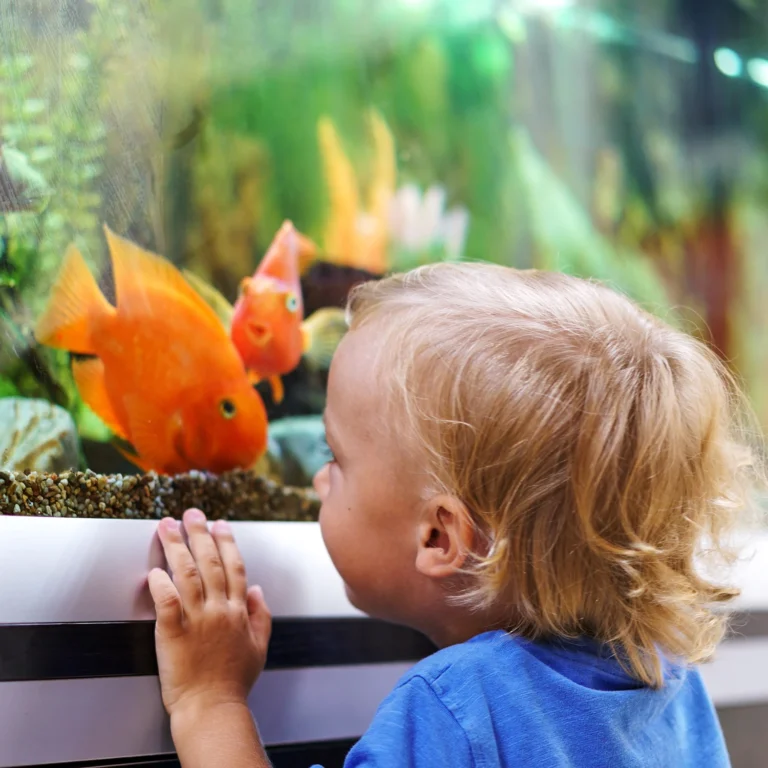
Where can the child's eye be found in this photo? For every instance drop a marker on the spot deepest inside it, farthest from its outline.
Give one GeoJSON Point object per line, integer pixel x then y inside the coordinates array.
{"type": "Point", "coordinates": [329, 456]}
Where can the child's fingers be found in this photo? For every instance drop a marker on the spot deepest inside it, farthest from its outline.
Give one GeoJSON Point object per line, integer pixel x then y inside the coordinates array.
{"type": "Point", "coordinates": [206, 555]}
{"type": "Point", "coordinates": [237, 583]}
{"type": "Point", "coordinates": [166, 599]}
{"type": "Point", "coordinates": [185, 573]}
{"type": "Point", "coordinates": [259, 615]}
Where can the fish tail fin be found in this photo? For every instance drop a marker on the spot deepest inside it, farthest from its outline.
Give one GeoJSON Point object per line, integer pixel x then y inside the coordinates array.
{"type": "Point", "coordinates": [322, 332]}
{"type": "Point", "coordinates": [74, 303]}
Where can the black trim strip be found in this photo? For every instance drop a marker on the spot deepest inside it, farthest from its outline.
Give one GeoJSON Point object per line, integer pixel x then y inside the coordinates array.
{"type": "Point", "coordinates": [121, 649]}
{"type": "Point", "coordinates": [125, 649]}
{"type": "Point", "coordinates": [329, 754]}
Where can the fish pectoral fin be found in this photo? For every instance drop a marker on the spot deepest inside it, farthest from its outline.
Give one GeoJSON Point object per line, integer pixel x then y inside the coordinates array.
{"type": "Point", "coordinates": [132, 456]}
{"type": "Point", "coordinates": [275, 384]}
{"type": "Point", "coordinates": [223, 309]}
{"type": "Point", "coordinates": [306, 337]}
{"type": "Point", "coordinates": [74, 302]}
{"type": "Point", "coordinates": [151, 434]}
{"type": "Point", "coordinates": [92, 386]}
{"type": "Point", "coordinates": [278, 391]}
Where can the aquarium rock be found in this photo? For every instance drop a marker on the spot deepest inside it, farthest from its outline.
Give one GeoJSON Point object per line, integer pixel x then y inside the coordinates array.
{"type": "Point", "coordinates": [303, 449]}
{"type": "Point", "coordinates": [36, 435]}
{"type": "Point", "coordinates": [238, 495]}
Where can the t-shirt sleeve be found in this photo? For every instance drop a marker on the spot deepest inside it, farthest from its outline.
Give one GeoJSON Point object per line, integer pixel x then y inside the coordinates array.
{"type": "Point", "coordinates": [412, 728]}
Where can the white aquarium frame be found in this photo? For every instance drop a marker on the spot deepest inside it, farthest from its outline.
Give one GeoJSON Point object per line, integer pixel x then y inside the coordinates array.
{"type": "Point", "coordinates": [64, 571]}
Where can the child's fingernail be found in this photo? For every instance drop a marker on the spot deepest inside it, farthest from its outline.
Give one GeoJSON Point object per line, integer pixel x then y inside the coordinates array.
{"type": "Point", "coordinates": [169, 524]}
{"type": "Point", "coordinates": [195, 516]}
{"type": "Point", "coordinates": [222, 526]}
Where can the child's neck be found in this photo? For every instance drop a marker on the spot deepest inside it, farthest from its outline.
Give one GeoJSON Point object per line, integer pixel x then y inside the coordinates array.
{"type": "Point", "coordinates": [461, 624]}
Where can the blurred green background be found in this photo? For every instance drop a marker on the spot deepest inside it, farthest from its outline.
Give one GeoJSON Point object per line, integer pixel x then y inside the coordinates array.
{"type": "Point", "coordinates": [621, 140]}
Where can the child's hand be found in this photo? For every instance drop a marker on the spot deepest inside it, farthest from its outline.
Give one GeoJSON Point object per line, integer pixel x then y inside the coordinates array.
{"type": "Point", "coordinates": [212, 631]}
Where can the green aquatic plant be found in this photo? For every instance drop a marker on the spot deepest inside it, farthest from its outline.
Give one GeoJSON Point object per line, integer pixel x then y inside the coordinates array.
{"type": "Point", "coordinates": [440, 78]}
{"type": "Point", "coordinates": [22, 187]}
{"type": "Point", "coordinates": [228, 196]}
{"type": "Point", "coordinates": [54, 144]}
{"type": "Point", "coordinates": [565, 239]}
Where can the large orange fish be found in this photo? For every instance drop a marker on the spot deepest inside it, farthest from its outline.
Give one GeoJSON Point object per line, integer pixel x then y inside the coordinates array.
{"type": "Point", "coordinates": [163, 375]}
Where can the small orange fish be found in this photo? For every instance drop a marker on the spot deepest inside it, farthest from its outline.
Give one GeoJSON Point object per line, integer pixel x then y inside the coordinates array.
{"type": "Point", "coordinates": [164, 375]}
{"type": "Point", "coordinates": [267, 318]}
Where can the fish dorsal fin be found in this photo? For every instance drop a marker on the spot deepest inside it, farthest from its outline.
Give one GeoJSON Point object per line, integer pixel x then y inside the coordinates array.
{"type": "Point", "coordinates": [136, 268]}
{"type": "Point", "coordinates": [281, 261]}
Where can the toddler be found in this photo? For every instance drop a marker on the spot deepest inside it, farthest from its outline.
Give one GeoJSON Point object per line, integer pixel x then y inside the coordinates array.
{"type": "Point", "coordinates": [528, 469]}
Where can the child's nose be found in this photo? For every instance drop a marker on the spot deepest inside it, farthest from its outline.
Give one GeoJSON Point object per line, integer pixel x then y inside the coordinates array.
{"type": "Point", "coordinates": [321, 481]}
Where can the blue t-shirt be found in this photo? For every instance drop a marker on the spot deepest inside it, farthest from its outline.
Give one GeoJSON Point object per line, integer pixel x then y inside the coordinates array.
{"type": "Point", "coordinates": [500, 701]}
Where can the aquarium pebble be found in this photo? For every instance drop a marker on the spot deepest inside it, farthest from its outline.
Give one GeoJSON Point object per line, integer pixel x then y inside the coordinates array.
{"type": "Point", "coordinates": [237, 495]}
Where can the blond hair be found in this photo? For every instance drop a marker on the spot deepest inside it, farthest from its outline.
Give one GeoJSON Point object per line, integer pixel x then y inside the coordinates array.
{"type": "Point", "coordinates": [595, 446]}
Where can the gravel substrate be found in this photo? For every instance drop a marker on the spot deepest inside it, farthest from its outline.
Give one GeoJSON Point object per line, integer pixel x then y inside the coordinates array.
{"type": "Point", "coordinates": [235, 495]}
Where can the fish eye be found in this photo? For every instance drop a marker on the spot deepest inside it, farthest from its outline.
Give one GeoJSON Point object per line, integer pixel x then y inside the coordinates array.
{"type": "Point", "coordinates": [291, 302]}
{"type": "Point", "coordinates": [228, 409]}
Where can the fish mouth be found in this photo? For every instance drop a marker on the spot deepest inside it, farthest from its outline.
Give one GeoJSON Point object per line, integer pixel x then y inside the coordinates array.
{"type": "Point", "coordinates": [259, 333]}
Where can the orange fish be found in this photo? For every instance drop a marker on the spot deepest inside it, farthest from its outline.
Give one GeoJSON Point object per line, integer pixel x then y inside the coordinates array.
{"type": "Point", "coordinates": [268, 329]}
{"type": "Point", "coordinates": [163, 373]}
{"type": "Point", "coordinates": [267, 318]}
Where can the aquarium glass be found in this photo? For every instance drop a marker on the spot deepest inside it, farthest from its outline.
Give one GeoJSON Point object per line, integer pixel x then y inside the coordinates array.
{"type": "Point", "coordinates": [190, 185]}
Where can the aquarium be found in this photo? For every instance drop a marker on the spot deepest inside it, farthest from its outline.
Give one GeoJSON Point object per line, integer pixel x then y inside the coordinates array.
{"type": "Point", "coordinates": [188, 191]}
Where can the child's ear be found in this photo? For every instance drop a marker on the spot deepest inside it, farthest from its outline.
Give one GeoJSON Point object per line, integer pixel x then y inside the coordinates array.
{"type": "Point", "coordinates": [446, 537]}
